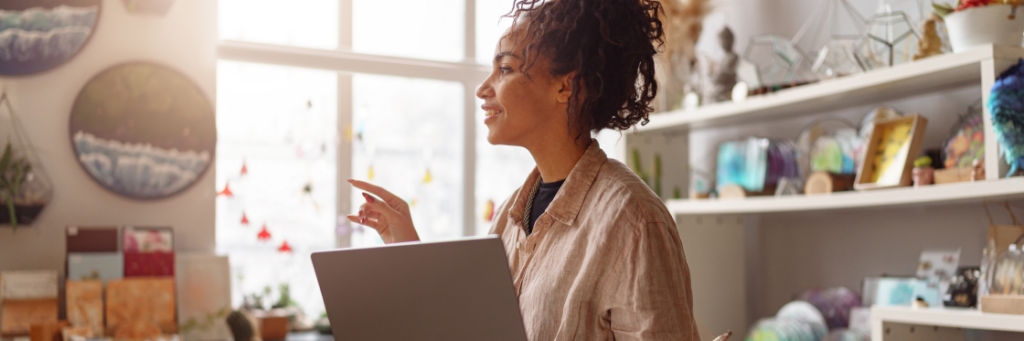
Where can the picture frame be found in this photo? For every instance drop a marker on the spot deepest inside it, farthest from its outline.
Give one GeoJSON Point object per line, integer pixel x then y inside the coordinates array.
{"type": "Point", "coordinates": [891, 150]}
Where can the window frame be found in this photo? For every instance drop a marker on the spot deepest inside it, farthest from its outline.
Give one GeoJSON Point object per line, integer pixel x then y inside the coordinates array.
{"type": "Point", "coordinates": [346, 62]}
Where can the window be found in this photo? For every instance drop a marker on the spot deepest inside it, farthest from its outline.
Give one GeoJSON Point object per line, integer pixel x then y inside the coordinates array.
{"type": "Point", "coordinates": [313, 92]}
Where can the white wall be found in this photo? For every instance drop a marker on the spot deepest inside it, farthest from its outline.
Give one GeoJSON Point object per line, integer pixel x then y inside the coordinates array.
{"type": "Point", "coordinates": [185, 40]}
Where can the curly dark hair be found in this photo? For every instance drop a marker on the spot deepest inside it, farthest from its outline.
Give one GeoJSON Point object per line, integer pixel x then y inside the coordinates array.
{"type": "Point", "coordinates": [609, 44]}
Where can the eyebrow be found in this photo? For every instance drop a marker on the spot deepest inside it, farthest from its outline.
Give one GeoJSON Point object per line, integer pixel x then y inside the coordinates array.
{"type": "Point", "coordinates": [501, 55]}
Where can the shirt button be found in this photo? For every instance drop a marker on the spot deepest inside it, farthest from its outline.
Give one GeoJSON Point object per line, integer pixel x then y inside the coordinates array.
{"type": "Point", "coordinates": [520, 246]}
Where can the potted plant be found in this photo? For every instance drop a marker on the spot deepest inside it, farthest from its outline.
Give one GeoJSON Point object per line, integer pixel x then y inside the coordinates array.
{"type": "Point", "coordinates": [14, 171]}
{"type": "Point", "coordinates": [974, 23]}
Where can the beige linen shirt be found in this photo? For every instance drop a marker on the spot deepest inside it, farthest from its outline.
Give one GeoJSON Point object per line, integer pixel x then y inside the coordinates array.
{"type": "Point", "coordinates": [604, 261]}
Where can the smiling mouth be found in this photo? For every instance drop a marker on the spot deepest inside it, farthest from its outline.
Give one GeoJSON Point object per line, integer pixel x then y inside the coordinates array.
{"type": "Point", "coordinates": [490, 113]}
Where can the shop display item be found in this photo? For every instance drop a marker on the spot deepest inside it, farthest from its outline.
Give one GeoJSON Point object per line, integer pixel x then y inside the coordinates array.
{"type": "Point", "coordinates": [827, 182]}
{"type": "Point", "coordinates": [42, 35]}
{"type": "Point", "coordinates": [1006, 106]}
{"type": "Point", "coordinates": [808, 314]}
{"type": "Point", "coordinates": [95, 266]}
{"type": "Point", "coordinates": [148, 239]}
{"type": "Point", "coordinates": [963, 291]}
{"type": "Point", "coordinates": [796, 320]}
{"type": "Point", "coordinates": [932, 42]}
{"type": "Point", "coordinates": [830, 35]}
{"type": "Point", "coordinates": [47, 331]}
{"type": "Point", "coordinates": [891, 39]}
{"type": "Point", "coordinates": [888, 159]}
{"type": "Point", "coordinates": [18, 316]}
{"type": "Point", "coordinates": [966, 141]}
{"type": "Point", "coordinates": [150, 7]}
{"type": "Point", "coordinates": [829, 145]}
{"type": "Point", "coordinates": [145, 299]}
{"type": "Point", "coordinates": [723, 75]}
{"type": "Point", "coordinates": [84, 302]}
{"type": "Point", "coordinates": [76, 334]}
{"type": "Point", "coordinates": [979, 23]}
{"type": "Point", "coordinates": [28, 285]}
{"type": "Point", "coordinates": [846, 335]}
{"type": "Point", "coordinates": [923, 173]}
{"type": "Point", "coordinates": [755, 164]}
{"type": "Point", "coordinates": [683, 24]}
{"type": "Point", "coordinates": [92, 239]}
{"type": "Point", "coordinates": [876, 115]}
{"type": "Point", "coordinates": [143, 130]}
{"type": "Point", "coordinates": [1008, 273]}
{"type": "Point", "coordinates": [778, 61]}
{"type": "Point", "coordinates": [148, 264]}
{"type": "Point", "coordinates": [834, 304]}
{"type": "Point", "coordinates": [203, 285]}
{"type": "Point", "coordinates": [938, 268]}
{"type": "Point", "coordinates": [25, 188]}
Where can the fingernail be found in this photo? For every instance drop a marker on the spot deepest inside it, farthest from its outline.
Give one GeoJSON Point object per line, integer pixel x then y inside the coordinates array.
{"type": "Point", "coordinates": [369, 199]}
{"type": "Point", "coordinates": [362, 221]}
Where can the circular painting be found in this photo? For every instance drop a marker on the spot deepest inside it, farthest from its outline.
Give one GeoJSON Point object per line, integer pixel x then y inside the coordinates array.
{"type": "Point", "coordinates": [143, 130]}
{"type": "Point", "coordinates": [38, 35]}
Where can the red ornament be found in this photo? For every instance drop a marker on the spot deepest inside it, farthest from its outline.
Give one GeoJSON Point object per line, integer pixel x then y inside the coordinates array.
{"type": "Point", "coordinates": [226, 192]}
{"type": "Point", "coordinates": [973, 3]}
{"type": "Point", "coordinates": [245, 220]}
{"type": "Point", "coordinates": [264, 235]}
{"type": "Point", "coordinates": [245, 170]}
{"type": "Point", "coordinates": [284, 247]}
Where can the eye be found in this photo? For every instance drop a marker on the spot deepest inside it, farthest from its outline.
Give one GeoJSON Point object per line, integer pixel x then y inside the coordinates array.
{"type": "Point", "coordinates": [505, 69]}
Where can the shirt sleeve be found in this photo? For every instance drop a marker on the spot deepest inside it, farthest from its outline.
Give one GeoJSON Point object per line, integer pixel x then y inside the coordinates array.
{"type": "Point", "coordinates": [653, 301]}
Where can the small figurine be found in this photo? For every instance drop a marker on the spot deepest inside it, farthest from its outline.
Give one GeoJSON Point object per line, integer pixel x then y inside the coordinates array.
{"type": "Point", "coordinates": [923, 173]}
{"type": "Point", "coordinates": [722, 77]}
{"type": "Point", "coordinates": [1006, 106]}
{"type": "Point", "coordinates": [930, 43]}
{"type": "Point", "coordinates": [978, 170]}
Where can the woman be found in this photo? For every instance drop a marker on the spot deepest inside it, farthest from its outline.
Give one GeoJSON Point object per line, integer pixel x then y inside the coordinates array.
{"type": "Point", "coordinates": [594, 253]}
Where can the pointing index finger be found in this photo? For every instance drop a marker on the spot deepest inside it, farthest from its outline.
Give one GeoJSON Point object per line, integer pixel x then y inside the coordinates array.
{"type": "Point", "coordinates": [375, 190]}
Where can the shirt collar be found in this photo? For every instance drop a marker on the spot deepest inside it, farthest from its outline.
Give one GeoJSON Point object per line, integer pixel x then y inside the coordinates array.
{"type": "Point", "coordinates": [567, 203]}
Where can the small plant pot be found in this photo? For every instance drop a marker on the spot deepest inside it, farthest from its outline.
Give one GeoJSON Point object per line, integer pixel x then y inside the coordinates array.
{"type": "Point", "coordinates": [990, 24]}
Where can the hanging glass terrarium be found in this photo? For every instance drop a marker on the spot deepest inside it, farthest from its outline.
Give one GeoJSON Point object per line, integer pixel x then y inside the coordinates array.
{"type": "Point", "coordinates": [891, 39]}
{"type": "Point", "coordinates": [25, 189]}
{"type": "Point", "coordinates": [778, 61]}
{"type": "Point", "coordinates": [831, 33]}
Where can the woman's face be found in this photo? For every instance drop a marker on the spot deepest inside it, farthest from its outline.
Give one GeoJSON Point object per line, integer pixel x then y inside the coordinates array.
{"type": "Point", "coordinates": [523, 110]}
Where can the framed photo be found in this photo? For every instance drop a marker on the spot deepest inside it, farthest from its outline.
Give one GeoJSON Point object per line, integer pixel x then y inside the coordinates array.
{"type": "Point", "coordinates": [891, 150]}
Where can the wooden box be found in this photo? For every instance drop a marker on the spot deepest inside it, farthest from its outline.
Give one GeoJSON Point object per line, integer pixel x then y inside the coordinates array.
{"type": "Point", "coordinates": [892, 148]}
{"type": "Point", "coordinates": [953, 175]}
{"type": "Point", "coordinates": [1003, 304]}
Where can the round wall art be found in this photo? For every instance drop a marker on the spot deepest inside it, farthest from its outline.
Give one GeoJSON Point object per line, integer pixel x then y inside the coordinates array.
{"type": "Point", "coordinates": [38, 35]}
{"type": "Point", "coordinates": [143, 130]}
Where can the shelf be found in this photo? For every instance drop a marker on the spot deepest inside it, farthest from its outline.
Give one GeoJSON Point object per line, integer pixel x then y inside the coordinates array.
{"type": "Point", "coordinates": [956, 318]}
{"type": "Point", "coordinates": [934, 194]}
{"type": "Point", "coordinates": [920, 77]}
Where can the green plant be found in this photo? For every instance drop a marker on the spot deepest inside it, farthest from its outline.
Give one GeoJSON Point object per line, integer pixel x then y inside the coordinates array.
{"type": "Point", "coordinates": [12, 172]}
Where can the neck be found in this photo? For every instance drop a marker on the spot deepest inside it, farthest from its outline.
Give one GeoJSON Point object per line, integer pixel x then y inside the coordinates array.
{"type": "Point", "coordinates": [556, 160]}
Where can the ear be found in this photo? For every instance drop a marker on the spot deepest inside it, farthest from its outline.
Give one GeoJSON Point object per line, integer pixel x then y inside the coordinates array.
{"type": "Point", "coordinates": [565, 87]}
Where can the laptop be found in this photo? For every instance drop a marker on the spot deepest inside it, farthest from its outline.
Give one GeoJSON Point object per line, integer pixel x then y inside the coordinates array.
{"type": "Point", "coordinates": [452, 290]}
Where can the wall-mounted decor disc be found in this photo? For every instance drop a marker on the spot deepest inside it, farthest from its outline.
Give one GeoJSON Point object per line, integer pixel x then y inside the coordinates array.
{"type": "Point", "coordinates": [143, 130]}
{"type": "Point", "coordinates": [38, 35]}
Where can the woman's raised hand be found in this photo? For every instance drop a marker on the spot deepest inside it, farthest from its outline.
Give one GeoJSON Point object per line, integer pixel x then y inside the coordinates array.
{"type": "Point", "coordinates": [389, 215]}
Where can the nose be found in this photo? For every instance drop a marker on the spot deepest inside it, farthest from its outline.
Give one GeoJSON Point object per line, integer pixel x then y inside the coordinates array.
{"type": "Point", "coordinates": [485, 90]}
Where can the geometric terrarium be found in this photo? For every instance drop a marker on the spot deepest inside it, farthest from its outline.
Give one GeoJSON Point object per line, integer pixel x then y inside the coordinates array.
{"type": "Point", "coordinates": [831, 34]}
{"type": "Point", "coordinates": [778, 61]}
{"type": "Point", "coordinates": [25, 188]}
{"type": "Point", "coordinates": [891, 39]}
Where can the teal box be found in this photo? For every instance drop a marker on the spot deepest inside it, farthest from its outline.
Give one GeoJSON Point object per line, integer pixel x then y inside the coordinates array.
{"type": "Point", "coordinates": [102, 266]}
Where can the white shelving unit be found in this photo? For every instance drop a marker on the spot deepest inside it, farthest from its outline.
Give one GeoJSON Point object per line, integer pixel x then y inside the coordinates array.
{"type": "Point", "coordinates": [668, 135]}
{"type": "Point", "coordinates": [956, 318]}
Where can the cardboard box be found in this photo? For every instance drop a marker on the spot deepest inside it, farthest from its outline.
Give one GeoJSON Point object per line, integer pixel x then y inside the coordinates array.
{"type": "Point", "coordinates": [28, 285]}
{"type": "Point", "coordinates": [18, 316]}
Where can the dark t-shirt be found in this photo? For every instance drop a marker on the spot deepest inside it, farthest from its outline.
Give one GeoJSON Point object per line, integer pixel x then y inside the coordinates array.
{"type": "Point", "coordinates": [545, 193]}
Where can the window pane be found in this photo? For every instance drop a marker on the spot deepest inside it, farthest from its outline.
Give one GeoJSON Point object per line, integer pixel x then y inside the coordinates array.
{"type": "Point", "coordinates": [408, 139]}
{"type": "Point", "coordinates": [305, 23]}
{"type": "Point", "coordinates": [277, 155]}
{"type": "Point", "coordinates": [490, 26]}
{"type": "Point", "coordinates": [410, 28]}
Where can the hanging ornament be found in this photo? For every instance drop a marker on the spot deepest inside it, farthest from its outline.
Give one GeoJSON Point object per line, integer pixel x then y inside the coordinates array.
{"type": "Point", "coordinates": [245, 220]}
{"type": "Point", "coordinates": [489, 211]}
{"type": "Point", "coordinates": [226, 192]}
{"type": "Point", "coordinates": [348, 133]}
{"type": "Point", "coordinates": [427, 178]}
{"type": "Point", "coordinates": [245, 170]}
{"type": "Point", "coordinates": [284, 247]}
{"type": "Point", "coordinates": [369, 173]}
{"type": "Point", "coordinates": [307, 191]}
{"type": "Point", "coordinates": [264, 235]}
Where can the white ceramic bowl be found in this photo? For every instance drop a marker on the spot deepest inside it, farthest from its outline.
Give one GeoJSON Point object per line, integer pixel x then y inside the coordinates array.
{"type": "Point", "coordinates": [978, 26]}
